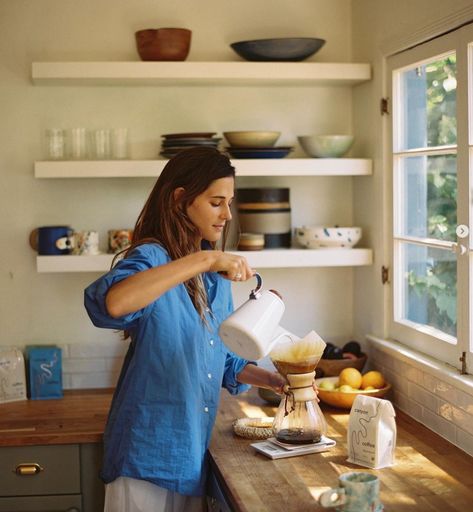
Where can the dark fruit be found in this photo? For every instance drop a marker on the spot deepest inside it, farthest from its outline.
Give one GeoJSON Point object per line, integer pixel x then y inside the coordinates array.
{"type": "Point", "coordinates": [353, 347]}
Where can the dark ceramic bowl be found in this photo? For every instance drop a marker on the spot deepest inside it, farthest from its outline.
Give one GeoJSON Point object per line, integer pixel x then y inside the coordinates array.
{"type": "Point", "coordinates": [163, 43]}
{"type": "Point", "coordinates": [289, 49]}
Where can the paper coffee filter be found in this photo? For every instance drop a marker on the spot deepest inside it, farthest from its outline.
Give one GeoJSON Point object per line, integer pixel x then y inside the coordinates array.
{"type": "Point", "coordinates": [310, 347]}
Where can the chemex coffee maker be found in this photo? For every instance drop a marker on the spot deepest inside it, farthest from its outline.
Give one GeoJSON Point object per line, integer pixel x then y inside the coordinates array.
{"type": "Point", "coordinates": [253, 331]}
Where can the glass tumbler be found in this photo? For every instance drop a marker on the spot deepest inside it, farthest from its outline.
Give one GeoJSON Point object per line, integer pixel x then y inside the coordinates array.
{"type": "Point", "coordinates": [56, 144]}
{"type": "Point", "coordinates": [78, 143]}
{"type": "Point", "coordinates": [119, 143]}
{"type": "Point", "coordinates": [101, 144]}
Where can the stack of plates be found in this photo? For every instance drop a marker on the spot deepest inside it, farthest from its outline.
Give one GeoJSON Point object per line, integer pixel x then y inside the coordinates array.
{"type": "Point", "coordinates": [260, 152]}
{"type": "Point", "coordinates": [173, 143]}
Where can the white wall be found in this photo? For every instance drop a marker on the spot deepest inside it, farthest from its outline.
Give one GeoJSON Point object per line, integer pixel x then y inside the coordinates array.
{"type": "Point", "coordinates": [47, 308]}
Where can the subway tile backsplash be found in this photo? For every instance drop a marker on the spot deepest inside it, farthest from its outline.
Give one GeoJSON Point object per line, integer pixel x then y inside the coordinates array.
{"type": "Point", "coordinates": [92, 365]}
{"type": "Point", "coordinates": [423, 392]}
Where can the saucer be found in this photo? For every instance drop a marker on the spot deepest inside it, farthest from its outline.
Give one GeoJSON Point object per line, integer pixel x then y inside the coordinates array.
{"type": "Point", "coordinates": [379, 508]}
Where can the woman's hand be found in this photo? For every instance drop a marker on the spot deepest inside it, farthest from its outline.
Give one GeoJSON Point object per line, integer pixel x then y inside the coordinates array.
{"type": "Point", "coordinates": [277, 383]}
{"type": "Point", "coordinates": [231, 266]}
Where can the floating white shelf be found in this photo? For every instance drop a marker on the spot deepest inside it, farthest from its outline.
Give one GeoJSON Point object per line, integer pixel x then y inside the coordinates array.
{"type": "Point", "coordinates": [271, 258]}
{"type": "Point", "coordinates": [199, 73]}
{"type": "Point", "coordinates": [246, 167]}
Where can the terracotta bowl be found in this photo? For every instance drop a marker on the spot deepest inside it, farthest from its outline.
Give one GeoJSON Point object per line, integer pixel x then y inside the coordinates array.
{"type": "Point", "coordinates": [345, 400]}
{"type": "Point", "coordinates": [333, 367]}
{"type": "Point", "coordinates": [163, 43]}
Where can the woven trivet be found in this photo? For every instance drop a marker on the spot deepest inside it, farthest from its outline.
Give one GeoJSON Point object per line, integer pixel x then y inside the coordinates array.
{"type": "Point", "coordinates": [253, 428]}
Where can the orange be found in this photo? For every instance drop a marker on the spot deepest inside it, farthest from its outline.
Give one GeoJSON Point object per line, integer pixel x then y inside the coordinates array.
{"type": "Point", "coordinates": [350, 376]}
{"type": "Point", "coordinates": [372, 379]}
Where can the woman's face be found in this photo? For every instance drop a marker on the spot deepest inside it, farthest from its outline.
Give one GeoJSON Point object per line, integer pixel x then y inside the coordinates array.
{"type": "Point", "coordinates": [211, 210]}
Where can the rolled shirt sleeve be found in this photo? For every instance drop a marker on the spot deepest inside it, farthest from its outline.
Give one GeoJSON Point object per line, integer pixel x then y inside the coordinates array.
{"type": "Point", "coordinates": [233, 366]}
{"type": "Point", "coordinates": [95, 294]}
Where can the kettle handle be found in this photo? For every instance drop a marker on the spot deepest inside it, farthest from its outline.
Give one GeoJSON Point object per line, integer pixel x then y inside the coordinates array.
{"type": "Point", "coordinates": [255, 294]}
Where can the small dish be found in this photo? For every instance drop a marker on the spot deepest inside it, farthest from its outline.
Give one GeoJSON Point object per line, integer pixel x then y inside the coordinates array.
{"type": "Point", "coordinates": [186, 135]}
{"type": "Point", "coordinates": [279, 152]}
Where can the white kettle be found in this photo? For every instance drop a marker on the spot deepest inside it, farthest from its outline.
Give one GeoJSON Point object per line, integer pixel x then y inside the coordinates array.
{"type": "Point", "coordinates": [253, 329]}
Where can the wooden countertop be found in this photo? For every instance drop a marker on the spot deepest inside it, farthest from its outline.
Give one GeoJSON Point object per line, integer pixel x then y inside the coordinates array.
{"type": "Point", "coordinates": [78, 417]}
{"type": "Point", "coordinates": [430, 473]}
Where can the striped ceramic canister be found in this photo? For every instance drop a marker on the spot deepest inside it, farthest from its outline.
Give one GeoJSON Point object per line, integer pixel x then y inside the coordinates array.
{"type": "Point", "coordinates": [266, 211]}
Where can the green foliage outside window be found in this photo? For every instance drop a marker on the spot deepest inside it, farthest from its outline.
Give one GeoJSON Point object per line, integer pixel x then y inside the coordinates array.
{"type": "Point", "coordinates": [439, 283]}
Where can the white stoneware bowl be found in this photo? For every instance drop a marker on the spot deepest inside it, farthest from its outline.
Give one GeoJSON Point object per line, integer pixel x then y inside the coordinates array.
{"type": "Point", "coordinates": [326, 146]}
{"type": "Point", "coordinates": [322, 237]}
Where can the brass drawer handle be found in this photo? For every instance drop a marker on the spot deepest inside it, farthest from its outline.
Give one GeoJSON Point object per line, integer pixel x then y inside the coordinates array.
{"type": "Point", "coordinates": [28, 468]}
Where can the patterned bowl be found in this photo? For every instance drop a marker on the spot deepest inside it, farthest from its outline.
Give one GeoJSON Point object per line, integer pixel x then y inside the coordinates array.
{"type": "Point", "coordinates": [322, 237]}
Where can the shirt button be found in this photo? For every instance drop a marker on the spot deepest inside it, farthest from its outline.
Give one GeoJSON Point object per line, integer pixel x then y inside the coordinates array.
{"type": "Point", "coordinates": [211, 342]}
{"type": "Point", "coordinates": [206, 409]}
{"type": "Point", "coordinates": [209, 375]}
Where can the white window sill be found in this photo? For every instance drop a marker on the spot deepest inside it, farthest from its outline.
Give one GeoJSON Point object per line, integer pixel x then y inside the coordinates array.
{"type": "Point", "coordinates": [424, 363]}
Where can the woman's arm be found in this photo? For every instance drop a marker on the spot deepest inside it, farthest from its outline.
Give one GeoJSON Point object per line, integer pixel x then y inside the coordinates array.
{"type": "Point", "coordinates": [261, 378]}
{"type": "Point", "coordinates": [140, 289]}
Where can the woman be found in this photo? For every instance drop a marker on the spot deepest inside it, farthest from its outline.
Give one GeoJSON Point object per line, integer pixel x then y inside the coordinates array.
{"type": "Point", "coordinates": [170, 293]}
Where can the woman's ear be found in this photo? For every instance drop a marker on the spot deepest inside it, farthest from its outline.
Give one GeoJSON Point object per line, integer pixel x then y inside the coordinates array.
{"type": "Point", "coordinates": [178, 193]}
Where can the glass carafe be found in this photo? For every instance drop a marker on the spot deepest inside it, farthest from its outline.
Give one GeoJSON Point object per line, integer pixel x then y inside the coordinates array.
{"type": "Point", "coordinates": [299, 419]}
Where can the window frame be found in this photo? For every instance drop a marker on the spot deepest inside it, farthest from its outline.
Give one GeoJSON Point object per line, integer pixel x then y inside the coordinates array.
{"type": "Point", "coordinates": [422, 339]}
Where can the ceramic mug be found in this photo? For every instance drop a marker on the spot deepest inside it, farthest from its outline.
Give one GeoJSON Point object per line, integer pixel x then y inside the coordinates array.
{"type": "Point", "coordinates": [119, 239]}
{"type": "Point", "coordinates": [51, 240]}
{"type": "Point", "coordinates": [80, 243]}
{"type": "Point", "coordinates": [358, 492]}
{"type": "Point", "coordinates": [84, 243]}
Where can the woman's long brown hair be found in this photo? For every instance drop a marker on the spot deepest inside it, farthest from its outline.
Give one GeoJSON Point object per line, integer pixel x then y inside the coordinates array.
{"type": "Point", "coordinates": [164, 220]}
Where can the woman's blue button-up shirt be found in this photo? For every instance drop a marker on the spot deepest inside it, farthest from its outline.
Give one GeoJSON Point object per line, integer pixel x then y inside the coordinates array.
{"type": "Point", "coordinates": [166, 399]}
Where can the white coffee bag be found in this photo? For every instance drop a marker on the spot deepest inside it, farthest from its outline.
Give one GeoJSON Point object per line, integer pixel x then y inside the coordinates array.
{"type": "Point", "coordinates": [12, 375]}
{"type": "Point", "coordinates": [371, 432]}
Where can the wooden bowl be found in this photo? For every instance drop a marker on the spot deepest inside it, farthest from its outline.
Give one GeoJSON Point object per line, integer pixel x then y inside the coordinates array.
{"type": "Point", "coordinates": [345, 400]}
{"type": "Point", "coordinates": [155, 44]}
{"type": "Point", "coordinates": [333, 367]}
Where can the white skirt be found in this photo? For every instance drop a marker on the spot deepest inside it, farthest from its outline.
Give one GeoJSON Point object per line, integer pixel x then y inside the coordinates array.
{"type": "Point", "coordinates": [131, 495]}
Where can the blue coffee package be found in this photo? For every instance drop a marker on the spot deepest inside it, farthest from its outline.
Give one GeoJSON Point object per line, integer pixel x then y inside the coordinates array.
{"type": "Point", "coordinates": [44, 372]}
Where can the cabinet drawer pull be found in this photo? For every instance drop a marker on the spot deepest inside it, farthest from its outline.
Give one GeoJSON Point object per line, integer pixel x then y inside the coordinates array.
{"type": "Point", "coordinates": [28, 468]}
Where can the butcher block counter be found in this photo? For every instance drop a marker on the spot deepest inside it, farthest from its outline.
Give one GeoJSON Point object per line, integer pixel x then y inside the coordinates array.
{"type": "Point", "coordinates": [430, 474]}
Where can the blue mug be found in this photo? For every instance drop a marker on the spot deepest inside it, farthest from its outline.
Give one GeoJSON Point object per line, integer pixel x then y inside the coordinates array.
{"type": "Point", "coordinates": [52, 240]}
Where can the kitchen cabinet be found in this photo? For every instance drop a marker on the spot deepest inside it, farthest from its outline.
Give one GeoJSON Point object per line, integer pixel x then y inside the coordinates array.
{"type": "Point", "coordinates": [218, 74]}
{"type": "Point", "coordinates": [51, 477]}
{"type": "Point", "coordinates": [62, 437]}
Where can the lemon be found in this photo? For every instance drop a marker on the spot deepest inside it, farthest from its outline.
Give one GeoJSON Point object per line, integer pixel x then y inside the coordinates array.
{"type": "Point", "coordinates": [345, 388]}
{"type": "Point", "coordinates": [327, 384]}
{"type": "Point", "coordinates": [369, 388]}
{"type": "Point", "coordinates": [350, 376]}
{"type": "Point", "coordinates": [372, 379]}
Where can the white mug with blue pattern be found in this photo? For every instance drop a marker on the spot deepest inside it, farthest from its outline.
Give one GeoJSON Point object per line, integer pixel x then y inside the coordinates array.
{"type": "Point", "coordinates": [358, 492]}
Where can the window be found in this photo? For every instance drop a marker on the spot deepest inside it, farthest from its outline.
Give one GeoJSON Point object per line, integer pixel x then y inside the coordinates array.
{"type": "Point", "coordinates": [432, 93]}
